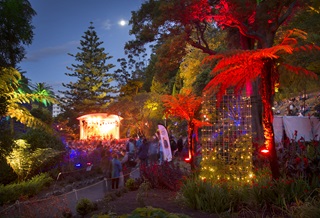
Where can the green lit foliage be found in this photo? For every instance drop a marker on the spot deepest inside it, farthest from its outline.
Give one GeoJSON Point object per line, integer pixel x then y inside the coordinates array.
{"type": "Point", "coordinates": [9, 82]}
{"type": "Point", "coordinates": [16, 110]}
{"type": "Point", "coordinates": [191, 66]}
{"type": "Point", "coordinates": [26, 162]}
{"type": "Point", "coordinates": [16, 100]}
{"type": "Point", "coordinates": [43, 89]}
{"type": "Point", "coordinates": [12, 192]}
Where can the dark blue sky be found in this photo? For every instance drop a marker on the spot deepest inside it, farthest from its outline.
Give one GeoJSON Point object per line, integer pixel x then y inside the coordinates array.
{"type": "Point", "coordinates": [59, 25]}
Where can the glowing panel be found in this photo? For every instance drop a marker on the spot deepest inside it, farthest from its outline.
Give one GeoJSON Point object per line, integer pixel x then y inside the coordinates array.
{"type": "Point", "coordinates": [99, 126]}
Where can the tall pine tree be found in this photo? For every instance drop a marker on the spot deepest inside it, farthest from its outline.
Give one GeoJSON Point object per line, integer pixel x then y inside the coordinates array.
{"type": "Point", "coordinates": [92, 91]}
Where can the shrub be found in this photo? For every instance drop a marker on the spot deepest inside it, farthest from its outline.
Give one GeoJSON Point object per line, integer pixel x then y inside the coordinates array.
{"type": "Point", "coordinates": [42, 139]}
{"type": "Point", "coordinates": [143, 193]}
{"type": "Point", "coordinates": [131, 184]}
{"type": "Point", "coordinates": [166, 175]}
{"type": "Point", "coordinates": [110, 197]}
{"type": "Point", "coordinates": [154, 212]}
{"type": "Point", "coordinates": [13, 192]}
{"type": "Point", "coordinates": [84, 206]}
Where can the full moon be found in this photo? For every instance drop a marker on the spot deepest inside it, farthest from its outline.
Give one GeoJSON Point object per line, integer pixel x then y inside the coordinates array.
{"type": "Point", "coordinates": [122, 22]}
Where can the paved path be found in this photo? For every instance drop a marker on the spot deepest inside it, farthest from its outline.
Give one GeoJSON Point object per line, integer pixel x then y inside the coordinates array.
{"type": "Point", "coordinates": [95, 192]}
{"type": "Point", "coordinates": [52, 207]}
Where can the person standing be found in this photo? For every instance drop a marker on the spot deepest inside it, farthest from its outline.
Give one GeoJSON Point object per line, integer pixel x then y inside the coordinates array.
{"type": "Point", "coordinates": [107, 167]}
{"type": "Point", "coordinates": [180, 144]}
{"type": "Point", "coordinates": [153, 150]}
{"type": "Point", "coordinates": [143, 152]}
{"type": "Point", "coordinates": [160, 152]}
{"type": "Point", "coordinates": [116, 169]}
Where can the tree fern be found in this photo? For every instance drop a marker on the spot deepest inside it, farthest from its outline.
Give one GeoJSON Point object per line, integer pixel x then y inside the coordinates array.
{"type": "Point", "coordinates": [16, 101]}
{"type": "Point", "coordinates": [237, 68]}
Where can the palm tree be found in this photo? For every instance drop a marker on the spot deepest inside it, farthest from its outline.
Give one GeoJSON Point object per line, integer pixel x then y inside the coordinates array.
{"type": "Point", "coordinates": [43, 89]}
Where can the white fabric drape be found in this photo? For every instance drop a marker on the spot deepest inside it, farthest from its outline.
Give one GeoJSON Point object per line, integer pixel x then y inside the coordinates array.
{"type": "Point", "coordinates": [306, 127]}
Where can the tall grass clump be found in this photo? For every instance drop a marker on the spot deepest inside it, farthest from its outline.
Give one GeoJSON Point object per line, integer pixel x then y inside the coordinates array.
{"type": "Point", "coordinates": [201, 195]}
{"type": "Point", "coordinates": [260, 196]}
{"type": "Point", "coordinates": [311, 208]}
{"type": "Point", "coordinates": [12, 192]}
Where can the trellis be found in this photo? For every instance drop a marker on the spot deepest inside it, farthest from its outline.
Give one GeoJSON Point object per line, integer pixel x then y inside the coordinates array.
{"type": "Point", "coordinates": [227, 144]}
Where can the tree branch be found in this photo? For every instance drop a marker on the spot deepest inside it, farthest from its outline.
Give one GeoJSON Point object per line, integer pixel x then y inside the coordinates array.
{"type": "Point", "coordinates": [285, 15]}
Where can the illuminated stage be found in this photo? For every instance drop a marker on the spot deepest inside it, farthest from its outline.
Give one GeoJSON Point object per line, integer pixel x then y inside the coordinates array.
{"type": "Point", "coordinates": [99, 126]}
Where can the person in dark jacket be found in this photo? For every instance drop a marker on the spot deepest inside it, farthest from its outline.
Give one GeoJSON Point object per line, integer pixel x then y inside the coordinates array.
{"type": "Point", "coordinates": [116, 170]}
{"type": "Point", "coordinates": [180, 144]}
{"type": "Point", "coordinates": [143, 152]}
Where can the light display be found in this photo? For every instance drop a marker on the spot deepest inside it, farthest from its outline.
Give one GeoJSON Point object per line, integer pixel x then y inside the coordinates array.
{"type": "Point", "coordinates": [227, 144]}
{"type": "Point", "coordinates": [99, 126]}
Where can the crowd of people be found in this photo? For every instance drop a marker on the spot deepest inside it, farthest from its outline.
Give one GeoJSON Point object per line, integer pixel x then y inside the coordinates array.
{"type": "Point", "coordinates": [296, 106]}
{"type": "Point", "coordinates": [114, 156]}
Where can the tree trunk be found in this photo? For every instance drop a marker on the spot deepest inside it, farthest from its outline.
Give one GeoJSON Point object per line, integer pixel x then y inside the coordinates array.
{"type": "Point", "coordinates": [256, 112]}
{"type": "Point", "coordinates": [267, 101]}
{"type": "Point", "coordinates": [191, 146]}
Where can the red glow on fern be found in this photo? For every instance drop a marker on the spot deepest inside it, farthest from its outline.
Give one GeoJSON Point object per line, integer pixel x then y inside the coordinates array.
{"type": "Point", "coordinates": [300, 70]}
{"type": "Point", "coordinates": [235, 70]}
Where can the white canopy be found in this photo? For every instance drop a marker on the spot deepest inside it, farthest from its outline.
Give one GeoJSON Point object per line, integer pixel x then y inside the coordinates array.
{"type": "Point", "coordinates": [306, 127]}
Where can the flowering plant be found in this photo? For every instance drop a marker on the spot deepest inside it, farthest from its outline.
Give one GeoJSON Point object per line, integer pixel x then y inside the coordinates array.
{"type": "Point", "coordinates": [299, 158]}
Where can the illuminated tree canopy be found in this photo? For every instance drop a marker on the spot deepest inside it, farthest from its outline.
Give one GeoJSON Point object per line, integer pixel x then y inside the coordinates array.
{"type": "Point", "coordinates": [254, 22]}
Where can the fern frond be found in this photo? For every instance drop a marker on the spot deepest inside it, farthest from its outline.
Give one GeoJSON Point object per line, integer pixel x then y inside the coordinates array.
{"type": "Point", "coordinates": [9, 79]}
{"type": "Point", "coordinates": [183, 106]}
{"type": "Point", "coordinates": [300, 70]}
{"type": "Point", "coordinates": [24, 116]}
{"type": "Point", "coordinates": [235, 70]}
{"type": "Point", "coordinates": [308, 47]}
